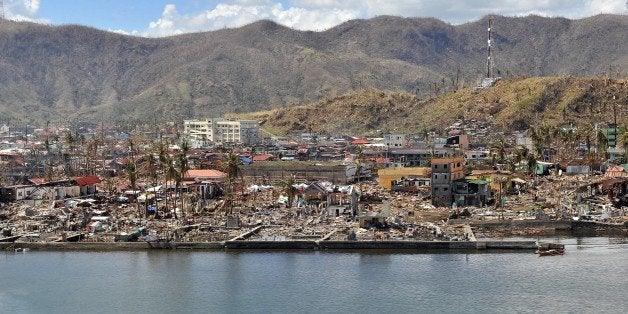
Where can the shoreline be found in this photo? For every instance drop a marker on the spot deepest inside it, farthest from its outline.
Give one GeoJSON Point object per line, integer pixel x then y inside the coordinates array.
{"type": "Point", "coordinates": [307, 245]}
{"type": "Point", "coordinates": [242, 243]}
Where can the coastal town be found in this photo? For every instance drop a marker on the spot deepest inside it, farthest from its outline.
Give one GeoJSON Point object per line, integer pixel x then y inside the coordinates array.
{"type": "Point", "coordinates": [225, 181]}
{"type": "Point", "coordinates": [288, 156]}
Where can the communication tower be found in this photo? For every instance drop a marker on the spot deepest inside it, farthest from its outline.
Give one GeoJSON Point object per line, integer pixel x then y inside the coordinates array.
{"type": "Point", "coordinates": [489, 46]}
{"type": "Point", "coordinates": [1, 9]}
{"type": "Point", "coordinates": [489, 77]}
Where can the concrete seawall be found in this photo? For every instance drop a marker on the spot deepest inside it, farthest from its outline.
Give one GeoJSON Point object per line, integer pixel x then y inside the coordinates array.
{"type": "Point", "coordinates": [565, 226]}
{"type": "Point", "coordinates": [110, 246]}
{"type": "Point", "coordinates": [469, 246]}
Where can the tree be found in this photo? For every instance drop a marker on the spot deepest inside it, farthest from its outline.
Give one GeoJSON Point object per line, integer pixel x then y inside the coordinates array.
{"type": "Point", "coordinates": [231, 166]}
{"type": "Point", "coordinates": [182, 162]}
{"type": "Point", "coordinates": [171, 174]}
{"type": "Point", "coordinates": [131, 173]}
{"type": "Point", "coordinates": [150, 169]}
{"type": "Point", "coordinates": [622, 138]}
{"type": "Point", "coordinates": [70, 140]}
{"type": "Point", "coordinates": [164, 165]}
{"type": "Point", "coordinates": [531, 163]}
{"type": "Point", "coordinates": [289, 189]}
{"type": "Point", "coordinates": [359, 162]}
{"type": "Point", "coordinates": [501, 150]}
{"type": "Point", "coordinates": [521, 153]}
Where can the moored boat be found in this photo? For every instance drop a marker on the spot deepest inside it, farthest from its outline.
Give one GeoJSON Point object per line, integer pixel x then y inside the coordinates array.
{"type": "Point", "coordinates": [551, 252]}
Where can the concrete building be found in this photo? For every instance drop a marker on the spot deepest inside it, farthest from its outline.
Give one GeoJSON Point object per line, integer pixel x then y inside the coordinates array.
{"type": "Point", "coordinates": [395, 140]}
{"type": "Point", "coordinates": [525, 141]}
{"type": "Point", "coordinates": [460, 141]}
{"type": "Point", "coordinates": [444, 172]}
{"type": "Point", "coordinates": [218, 131]}
{"type": "Point", "coordinates": [387, 175]}
{"type": "Point", "coordinates": [407, 157]}
{"type": "Point", "coordinates": [302, 171]}
{"type": "Point", "coordinates": [471, 192]}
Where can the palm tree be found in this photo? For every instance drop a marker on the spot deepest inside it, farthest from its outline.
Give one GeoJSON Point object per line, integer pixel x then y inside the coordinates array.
{"type": "Point", "coordinates": [622, 138]}
{"type": "Point", "coordinates": [183, 168]}
{"type": "Point", "coordinates": [359, 161]}
{"type": "Point", "coordinates": [602, 143]}
{"type": "Point", "coordinates": [162, 157]}
{"type": "Point", "coordinates": [232, 168]}
{"type": "Point", "coordinates": [150, 169]}
{"type": "Point", "coordinates": [500, 152]}
{"type": "Point", "coordinates": [521, 153]}
{"type": "Point", "coordinates": [131, 172]}
{"type": "Point", "coordinates": [289, 189]}
{"type": "Point", "coordinates": [171, 174]}
{"type": "Point", "coordinates": [70, 140]}
{"type": "Point", "coordinates": [531, 163]}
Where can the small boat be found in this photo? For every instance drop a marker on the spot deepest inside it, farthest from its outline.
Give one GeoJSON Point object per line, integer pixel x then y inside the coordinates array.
{"type": "Point", "coordinates": [21, 250]}
{"type": "Point", "coordinates": [551, 252]}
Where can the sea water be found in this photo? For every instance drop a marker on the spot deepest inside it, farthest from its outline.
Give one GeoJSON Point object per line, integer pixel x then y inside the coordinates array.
{"type": "Point", "coordinates": [591, 277]}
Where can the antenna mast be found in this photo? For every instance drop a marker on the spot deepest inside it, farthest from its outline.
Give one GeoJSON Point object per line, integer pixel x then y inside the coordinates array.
{"type": "Point", "coordinates": [489, 57]}
{"type": "Point", "coordinates": [1, 9]}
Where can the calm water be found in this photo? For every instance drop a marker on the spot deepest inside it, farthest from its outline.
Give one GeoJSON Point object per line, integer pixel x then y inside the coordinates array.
{"type": "Point", "coordinates": [590, 277]}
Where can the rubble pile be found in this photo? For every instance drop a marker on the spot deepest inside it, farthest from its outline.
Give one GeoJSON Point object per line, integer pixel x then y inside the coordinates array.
{"type": "Point", "coordinates": [379, 215]}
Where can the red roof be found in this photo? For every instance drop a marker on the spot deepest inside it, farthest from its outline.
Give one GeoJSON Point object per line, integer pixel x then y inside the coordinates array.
{"type": "Point", "coordinates": [204, 174]}
{"type": "Point", "coordinates": [263, 157]}
{"type": "Point", "coordinates": [87, 180]}
{"type": "Point", "coordinates": [37, 181]}
{"type": "Point", "coordinates": [615, 171]}
{"type": "Point", "coordinates": [360, 141]}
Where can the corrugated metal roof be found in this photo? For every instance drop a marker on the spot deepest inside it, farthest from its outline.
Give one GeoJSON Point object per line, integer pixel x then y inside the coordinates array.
{"type": "Point", "coordinates": [87, 180]}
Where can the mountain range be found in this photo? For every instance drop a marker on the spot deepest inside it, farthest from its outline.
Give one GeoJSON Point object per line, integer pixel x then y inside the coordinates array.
{"type": "Point", "coordinates": [70, 72]}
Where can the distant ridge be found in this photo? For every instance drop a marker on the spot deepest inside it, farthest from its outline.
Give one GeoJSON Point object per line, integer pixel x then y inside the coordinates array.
{"type": "Point", "coordinates": [75, 73]}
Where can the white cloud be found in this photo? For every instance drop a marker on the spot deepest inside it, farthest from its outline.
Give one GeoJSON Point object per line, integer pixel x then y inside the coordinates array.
{"type": "Point", "coordinates": [323, 14]}
{"type": "Point", "coordinates": [242, 12]}
{"type": "Point", "coordinates": [23, 10]}
{"type": "Point", "coordinates": [32, 6]}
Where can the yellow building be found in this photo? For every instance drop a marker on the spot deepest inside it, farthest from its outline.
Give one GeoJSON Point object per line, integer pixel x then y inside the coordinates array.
{"type": "Point", "coordinates": [387, 175]}
{"type": "Point", "coordinates": [494, 177]}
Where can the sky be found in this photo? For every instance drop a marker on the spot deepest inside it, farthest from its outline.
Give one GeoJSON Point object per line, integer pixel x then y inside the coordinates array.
{"type": "Point", "coordinates": [157, 18]}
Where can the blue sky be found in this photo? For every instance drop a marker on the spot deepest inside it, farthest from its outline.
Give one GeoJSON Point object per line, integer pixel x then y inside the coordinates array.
{"type": "Point", "coordinates": [156, 18]}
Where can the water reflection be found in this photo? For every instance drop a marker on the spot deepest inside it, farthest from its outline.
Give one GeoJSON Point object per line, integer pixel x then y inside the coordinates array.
{"type": "Point", "coordinates": [201, 282]}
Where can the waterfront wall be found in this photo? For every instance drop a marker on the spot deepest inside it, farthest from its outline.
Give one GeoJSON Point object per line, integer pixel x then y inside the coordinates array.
{"type": "Point", "coordinates": [109, 246]}
{"type": "Point", "coordinates": [575, 227]}
{"type": "Point", "coordinates": [277, 245]}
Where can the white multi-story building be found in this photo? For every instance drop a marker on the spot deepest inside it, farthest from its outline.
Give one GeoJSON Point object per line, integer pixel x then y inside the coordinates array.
{"type": "Point", "coordinates": [204, 132]}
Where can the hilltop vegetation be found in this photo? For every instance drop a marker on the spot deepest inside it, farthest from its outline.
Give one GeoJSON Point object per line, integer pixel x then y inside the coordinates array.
{"type": "Point", "coordinates": [73, 72]}
{"type": "Point", "coordinates": [512, 104]}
